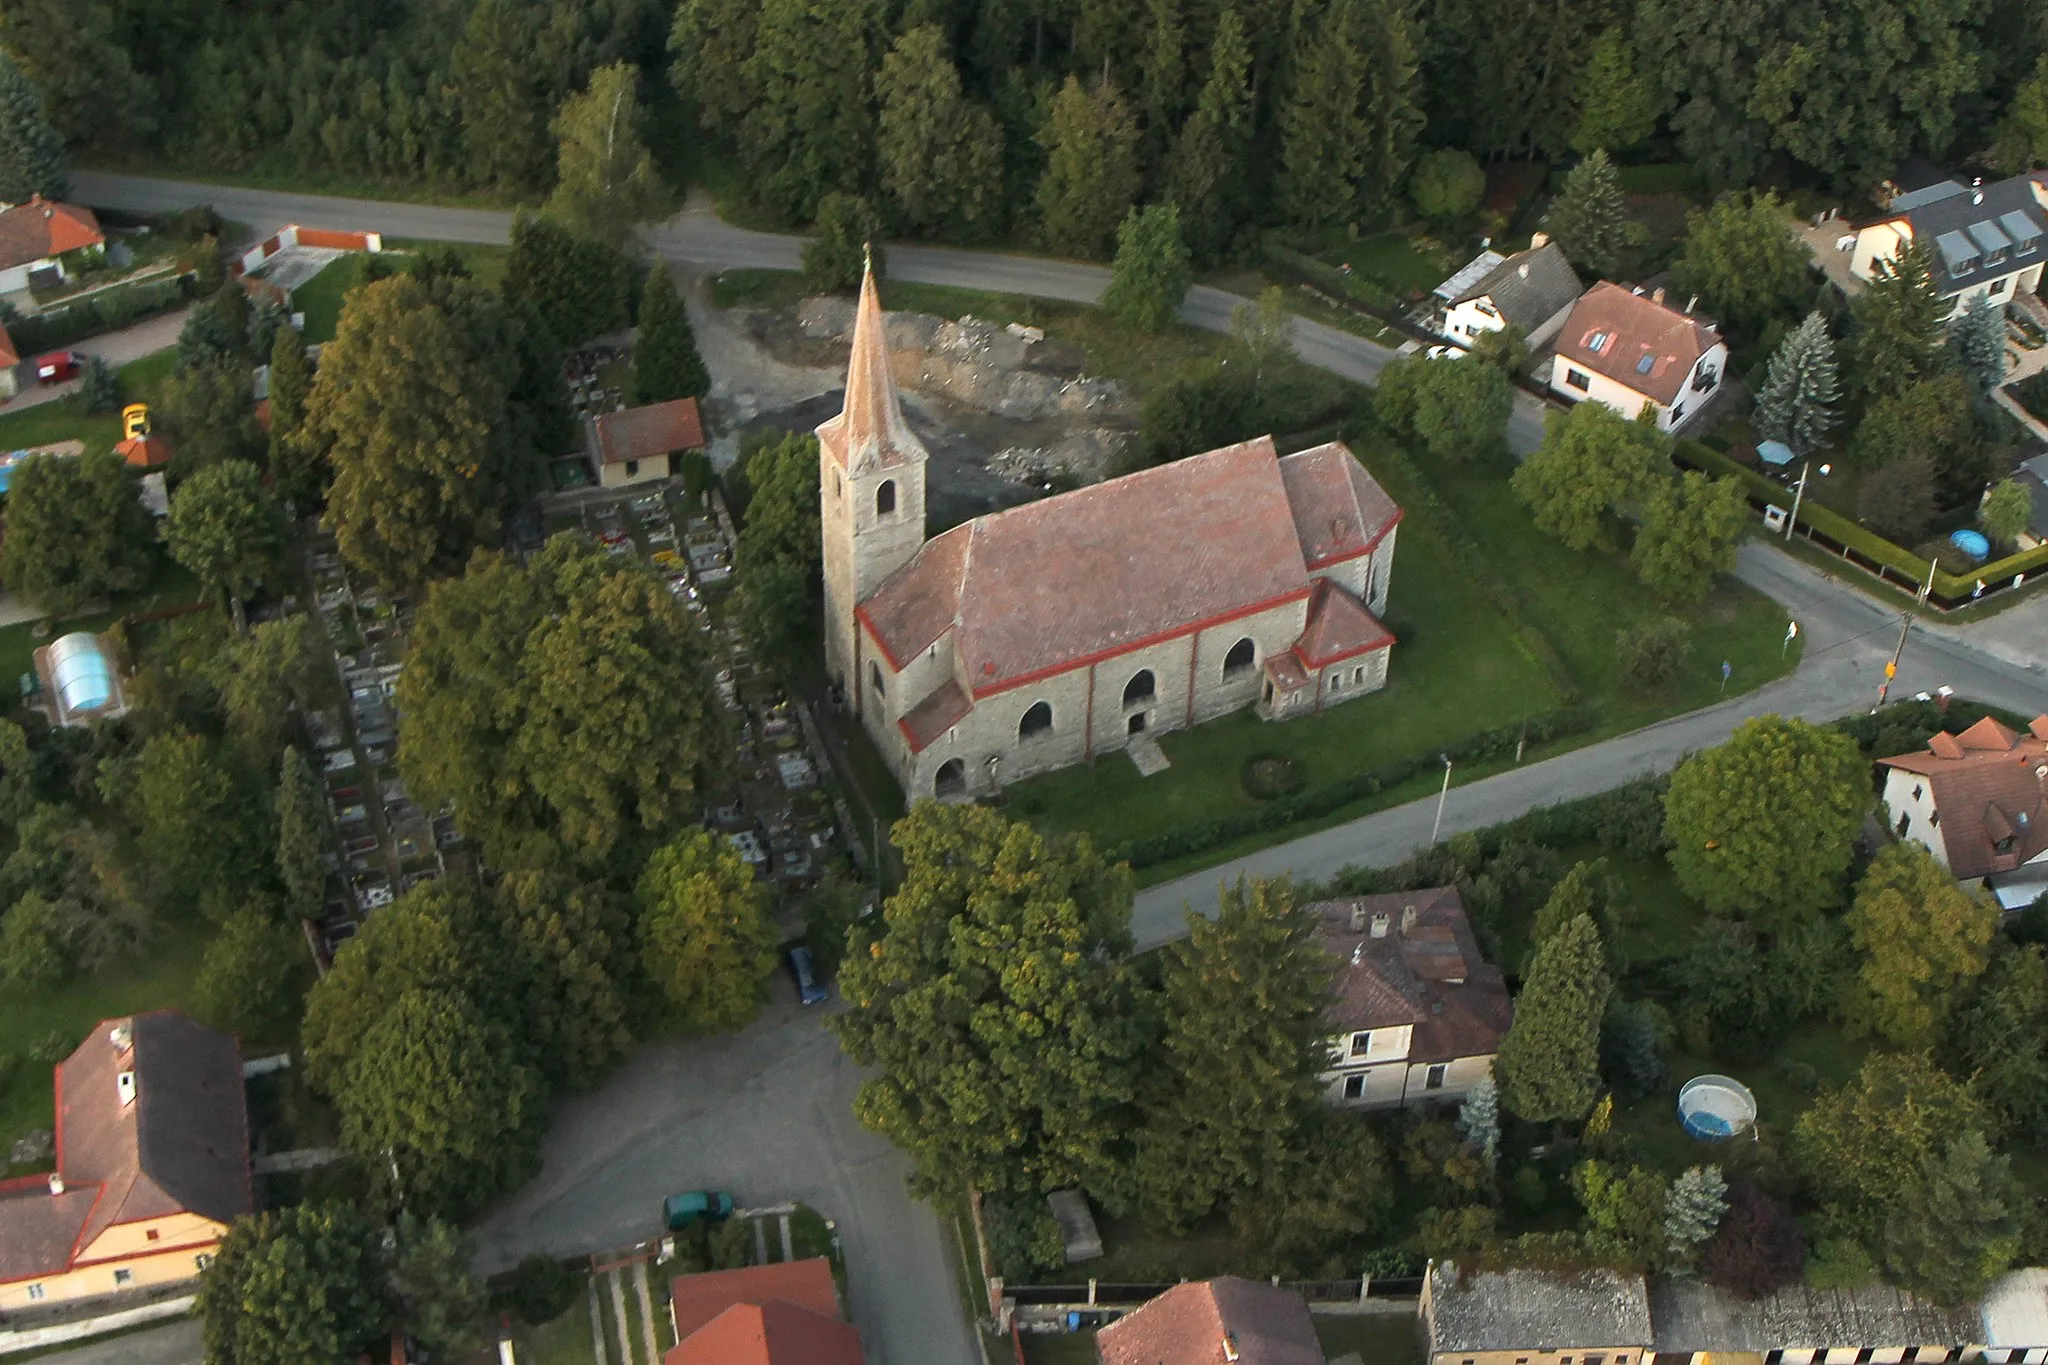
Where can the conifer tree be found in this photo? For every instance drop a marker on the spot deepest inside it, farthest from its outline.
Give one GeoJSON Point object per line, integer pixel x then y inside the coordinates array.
{"type": "Point", "coordinates": [709, 44]}
{"type": "Point", "coordinates": [301, 836]}
{"type": "Point", "coordinates": [1693, 1209]}
{"type": "Point", "coordinates": [2022, 141]}
{"type": "Point", "coordinates": [1091, 169]}
{"type": "Point", "coordinates": [1797, 402]}
{"type": "Point", "coordinates": [1898, 321]}
{"type": "Point", "coordinates": [1587, 220]}
{"type": "Point", "coordinates": [665, 360]}
{"type": "Point", "coordinates": [1618, 100]}
{"type": "Point", "coordinates": [940, 154]}
{"type": "Point", "coordinates": [1959, 1226]}
{"type": "Point", "coordinates": [810, 129]}
{"type": "Point", "coordinates": [1978, 335]}
{"type": "Point", "coordinates": [1549, 1063]}
{"type": "Point", "coordinates": [1152, 273]}
{"type": "Point", "coordinates": [1162, 88]}
{"type": "Point", "coordinates": [1385, 37]}
{"type": "Point", "coordinates": [1204, 175]}
{"type": "Point", "coordinates": [1243, 1043]}
{"type": "Point", "coordinates": [1479, 1120]}
{"type": "Point", "coordinates": [31, 152]}
{"type": "Point", "coordinates": [1323, 135]}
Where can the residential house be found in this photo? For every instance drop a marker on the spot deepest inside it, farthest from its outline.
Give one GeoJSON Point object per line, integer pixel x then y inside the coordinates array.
{"type": "Point", "coordinates": [152, 1165]}
{"type": "Point", "coordinates": [2032, 475]}
{"type": "Point", "coordinates": [1214, 1322]}
{"type": "Point", "coordinates": [1534, 1317]}
{"type": "Point", "coordinates": [1532, 290]}
{"type": "Point", "coordinates": [1978, 801]}
{"type": "Point", "coordinates": [1626, 348]}
{"type": "Point", "coordinates": [1698, 1324]}
{"type": "Point", "coordinates": [787, 1313]}
{"type": "Point", "coordinates": [38, 237]}
{"type": "Point", "coordinates": [1988, 239]}
{"type": "Point", "coordinates": [1053, 633]}
{"type": "Point", "coordinates": [638, 445]}
{"type": "Point", "coordinates": [10, 367]}
{"type": "Point", "coordinates": [1417, 1012]}
{"type": "Point", "coordinates": [2013, 1319]}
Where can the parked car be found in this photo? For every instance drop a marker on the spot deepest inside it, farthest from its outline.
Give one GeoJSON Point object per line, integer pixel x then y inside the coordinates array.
{"type": "Point", "coordinates": [683, 1210]}
{"type": "Point", "coordinates": [58, 367]}
{"type": "Point", "coordinates": [804, 968]}
{"type": "Point", "coordinates": [1447, 352]}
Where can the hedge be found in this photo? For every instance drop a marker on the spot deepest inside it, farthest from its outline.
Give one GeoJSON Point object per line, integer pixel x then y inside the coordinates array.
{"type": "Point", "coordinates": [103, 312]}
{"type": "Point", "coordinates": [1332, 796]}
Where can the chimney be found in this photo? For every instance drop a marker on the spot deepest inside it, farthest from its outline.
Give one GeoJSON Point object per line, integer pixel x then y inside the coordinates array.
{"type": "Point", "coordinates": [1381, 923]}
{"type": "Point", "coordinates": [1538, 240]}
{"type": "Point", "coordinates": [122, 1036]}
{"type": "Point", "coordinates": [124, 1084]}
{"type": "Point", "coordinates": [1230, 1346]}
{"type": "Point", "coordinates": [56, 1183]}
{"type": "Point", "coordinates": [1357, 917]}
{"type": "Point", "coordinates": [1657, 295]}
{"type": "Point", "coordinates": [1523, 270]}
{"type": "Point", "coordinates": [1408, 917]}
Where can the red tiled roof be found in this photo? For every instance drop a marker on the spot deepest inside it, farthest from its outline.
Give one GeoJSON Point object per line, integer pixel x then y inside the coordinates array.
{"type": "Point", "coordinates": [38, 1229]}
{"type": "Point", "coordinates": [696, 1299]}
{"type": "Point", "coordinates": [1214, 1322]}
{"type": "Point", "coordinates": [935, 715]}
{"type": "Point", "coordinates": [1985, 791]}
{"type": "Point", "coordinates": [646, 432]}
{"type": "Point", "coordinates": [41, 228]}
{"type": "Point", "coordinates": [1055, 584]}
{"type": "Point", "coordinates": [1339, 510]}
{"type": "Point", "coordinates": [8, 355]}
{"type": "Point", "coordinates": [773, 1333]}
{"type": "Point", "coordinates": [1430, 975]}
{"type": "Point", "coordinates": [1634, 326]}
{"type": "Point", "coordinates": [1339, 627]}
{"type": "Point", "coordinates": [870, 432]}
{"type": "Point", "coordinates": [145, 452]}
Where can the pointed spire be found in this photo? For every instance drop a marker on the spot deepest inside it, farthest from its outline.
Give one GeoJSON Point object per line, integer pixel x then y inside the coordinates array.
{"type": "Point", "coordinates": [870, 429]}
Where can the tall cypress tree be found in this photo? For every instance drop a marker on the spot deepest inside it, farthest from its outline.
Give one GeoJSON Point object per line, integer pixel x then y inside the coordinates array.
{"type": "Point", "coordinates": [31, 152]}
{"type": "Point", "coordinates": [1797, 402]}
{"type": "Point", "coordinates": [665, 360]}
{"type": "Point", "coordinates": [1898, 321]}
{"type": "Point", "coordinates": [1549, 1063]}
{"type": "Point", "coordinates": [1586, 218]}
{"type": "Point", "coordinates": [1205, 176]}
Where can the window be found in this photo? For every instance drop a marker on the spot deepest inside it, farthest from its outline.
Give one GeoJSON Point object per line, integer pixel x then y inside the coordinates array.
{"type": "Point", "coordinates": [1998, 286]}
{"type": "Point", "coordinates": [1647, 363]}
{"type": "Point", "coordinates": [1598, 342]}
{"type": "Point", "coordinates": [1354, 1085]}
{"type": "Point", "coordinates": [1677, 412]}
{"type": "Point", "coordinates": [951, 779]}
{"type": "Point", "coordinates": [875, 679]}
{"type": "Point", "coordinates": [885, 497]}
{"type": "Point", "coordinates": [35, 1293]}
{"type": "Point", "coordinates": [835, 483]}
{"type": "Point", "coordinates": [1037, 721]}
{"type": "Point", "coordinates": [1917, 791]}
{"type": "Point", "coordinates": [632, 468]}
{"type": "Point", "coordinates": [1433, 1079]}
{"type": "Point", "coordinates": [123, 1277]}
{"type": "Point", "coordinates": [1140, 689]}
{"type": "Point", "coordinates": [1577, 379]}
{"type": "Point", "coordinates": [1337, 681]}
{"type": "Point", "coordinates": [1241, 657]}
{"type": "Point", "coordinates": [1358, 676]}
{"type": "Point", "coordinates": [1361, 1043]}
{"type": "Point", "coordinates": [151, 1235]}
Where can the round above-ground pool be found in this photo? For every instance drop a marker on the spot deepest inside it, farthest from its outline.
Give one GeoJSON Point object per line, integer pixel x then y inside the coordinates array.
{"type": "Point", "coordinates": [1714, 1108]}
{"type": "Point", "coordinates": [1972, 543]}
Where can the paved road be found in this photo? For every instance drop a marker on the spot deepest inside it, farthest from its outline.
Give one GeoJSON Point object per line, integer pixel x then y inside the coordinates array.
{"type": "Point", "coordinates": [767, 1114]}
{"type": "Point", "coordinates": [176, 1343]}
{"type": "Point", "coordinates": [116, 348]}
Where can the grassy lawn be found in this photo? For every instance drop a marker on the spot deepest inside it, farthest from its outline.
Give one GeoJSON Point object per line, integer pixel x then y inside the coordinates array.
{"type": "Point", "coordinates": [322, 297]}
{"type": "Point", "coordinates": [1404, 264]}
{"type": "Point", "coordinates": [65, 419]}
{"type": "Point", "coordinates": [1058, 1348]}
{"type": "Point", "coordinates": [1377, 1338]}
{"type": "Point", "coordinates": [565, 1341]}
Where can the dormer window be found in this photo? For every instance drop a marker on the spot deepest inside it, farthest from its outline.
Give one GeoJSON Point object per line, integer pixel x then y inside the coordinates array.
{"type": "Point", "coordinates": [1598, 342]}
{"type": "Point", "coordinates": [124, 1085]}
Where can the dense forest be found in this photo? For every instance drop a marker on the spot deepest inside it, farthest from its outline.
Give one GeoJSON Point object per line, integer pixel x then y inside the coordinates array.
{"type": "Point", "coordinates": [987, 118]}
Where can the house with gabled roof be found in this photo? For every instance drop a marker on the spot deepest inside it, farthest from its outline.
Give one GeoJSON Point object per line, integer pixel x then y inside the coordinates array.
{"type": "Point", "coordinates": [1532, 291]}
{"type": "Point", "coordinates": [785, 1313]}
{"type": "Point", "coordinates": [152, 1165]}
{"type": "Point", "coordinates": [640, 445]}
{"type": "Point", "coordinates": [1978, 801]}
{"type": "Point", "coordinates": [1627, 349]}
{"type": "Point", "coordinates": [1224, 1321]}
{"type": "Point", "coordinates": [1988, 241]}
{"type": "Point", "coordinates": [1054, 632]}
{"type": "Point", "coordinates": [38, 236]}
{"type": "Point", "coordinates": [1417, 1013]}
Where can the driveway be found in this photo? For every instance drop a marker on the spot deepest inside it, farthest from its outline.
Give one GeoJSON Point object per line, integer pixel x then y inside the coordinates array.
{"type": "Point", "coordinates": [116, 348]}
{"type": "Point", "coordinates": [176, 1343]}
{"type": "Point", "coordinates": [766, 1113]}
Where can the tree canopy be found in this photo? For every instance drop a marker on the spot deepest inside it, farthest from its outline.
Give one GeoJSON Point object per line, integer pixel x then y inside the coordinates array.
{"type": "Point", "coordinates": [1549, 1062]}
{"type": "Point", "coordinates": [605, 181]}
{"type": "Point", "coordinates": [1743, 261]}
{"type": "Point", "coordinates": [226, 529]}
{"type": "Point", "coordinates": [301, 1286]}
{"type": "Point", "coordinates": [31, 151]}
{"type": "Point", "coordinates": [77, 531]}
{"type": "Point", "coordinates": [1458, 408]}
{"type": "Point", "coordinates": [1692, 526]}
{"type": "Point", "coordinates": [1591, 460]}
{"type": "Point", "coordinates": [1152, 272]}
{"type": "Point", "coordinates": [705, 934]}
{"type": "Point", "coordinates": [1922, 938]}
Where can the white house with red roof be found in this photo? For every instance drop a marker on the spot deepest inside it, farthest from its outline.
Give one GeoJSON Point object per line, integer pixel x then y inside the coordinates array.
{"type": "Point", "coordinates": [1047, 634]}
{"type": "Point", "coordinates": [1626, 348]}
{"type": "Point", "coordinates": [1978, 801]}
{"type": "Point", "coordinates": [37, 236]}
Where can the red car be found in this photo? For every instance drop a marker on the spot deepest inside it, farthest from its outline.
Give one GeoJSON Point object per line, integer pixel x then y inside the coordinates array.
{"type": "Point", "coordinates": [58, 366]}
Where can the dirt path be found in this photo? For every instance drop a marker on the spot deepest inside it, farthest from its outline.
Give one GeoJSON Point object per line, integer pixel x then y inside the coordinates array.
{"type": "Point", "coordinates": [746, 380]}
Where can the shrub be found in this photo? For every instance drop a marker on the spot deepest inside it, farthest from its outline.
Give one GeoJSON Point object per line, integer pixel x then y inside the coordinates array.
{"type": "Point", "coordinates": [1023, 1237]}
{"type": "Point", "coordinates": [1267, 777]}
{"type": "Point", "coordinates": [50, 1049]}
{"type": "Point", "coordinates": [542, 1289]}
{"type": "Point", "coordinates": [1653, 652]}
{"type": "Point", "coordinates": [99, 388]}
{"type": "Point", "coordinates": [848, 226]}
{"type": "Point", "coordinates": [1529, 1190]}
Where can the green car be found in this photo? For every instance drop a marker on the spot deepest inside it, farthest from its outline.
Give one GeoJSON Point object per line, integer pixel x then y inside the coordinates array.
{"type": "Point", "coordinates": [692, 1206]}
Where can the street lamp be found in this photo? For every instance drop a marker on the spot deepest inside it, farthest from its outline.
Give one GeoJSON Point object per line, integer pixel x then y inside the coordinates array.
{"type": "Point", "coordinates": [1441, 797]}
{"type": "Point", "coordinates": [1799, 492]}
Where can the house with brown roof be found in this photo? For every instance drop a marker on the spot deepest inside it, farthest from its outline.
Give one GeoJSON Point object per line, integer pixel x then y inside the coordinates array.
{"type": "Point", "coordinates": [1051, 633]}
{"type": "Point", "coordinates": [1225, 1321]}
{"type": "Point", "coordinates": [1625, 348]}
{"type": "Point", "coordinates": [1417, 1013]}
{"type": "Point", "coordinates": [152, 1165]}
{"type": "Point", "coordinates": [639, 445]}
{"type": "Point", "coordinates": [1532, 290]}
{"type": "Point", "coordinates": [38, 236]}
{"type": "Point", "coordinates": [1978, 801]}
{"type": "Point", "coordinates": [782, 1314]}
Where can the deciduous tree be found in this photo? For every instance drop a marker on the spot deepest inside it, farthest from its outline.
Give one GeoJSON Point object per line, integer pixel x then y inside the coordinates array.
{"type": "Point", "coordinates": [1587, 220]}
{"type": "Point", "coordinates": [2022, 140]}
{"type": "Point", "coordinates": [808, 128]}
{"type": "Point", "coordinates": [301, 836]}
{"type": "Point", "coordinates": [1935, 418]}
{"type": "Point", "coordinates": [1152, 272]}
{"type": "Point", "coordinates": [605, 181]}
{"type": "Point", "coordinates": [709, 45]}
{"type": "Point", "coordinates": [2007, 510]}
{"type": "Point", "coordinates": [575, 942]}
{"type": "Point", "coordinates": [253, 976]}
{"type": "Point", "coordinates": [1923, 939]}
{"type": "Point", "coordinates": [193, 827]}
{"type": "Point", "coordinates": [77, 532]}
{"type": "Point", "coordinates": [1743, 261]}
{"type": "Point", "coordinates": [225, 528]}
{"type": "Point", "coordinates": [302, 1286]}
{"type": "Point", "coordinates": [705, 937]}
{"type": "Point", "coordinates": [1091, 175]}
{"type": "Point", "coordinates": [1764, 824]}
{"type": "Point", "coordinates": [1458, 408]}
{"type": "Point", "coordinates": [1758, 1249]}
{"type": "Point", "coordinates": [1447, 185]}
{"type": "Point", "coordinates": [441, 1304]}
{"type": "Point", "coordinates": [940, 154]}
{"type": "Point", "coordinates": [994, 1001]}
{"type": "Point", "coordinates": [1796, 404]}
{"type": "Point", "coordinates": [849, 233]}
{"type": "Point", "coordinates": [1691, 527]}
{"type": "Point", "coordinates": [1549, 1062]}
{"type": "Point", "coordinates": [666, 364]}
{"type": "Point", "coordinates": [1263, 330]}
{"type": "Point", "coordinates": [1898, 500]}
{"type": "Point", "coordinates": [1592, 459]}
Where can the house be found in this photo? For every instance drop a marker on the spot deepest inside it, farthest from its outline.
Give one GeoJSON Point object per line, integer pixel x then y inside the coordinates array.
{"type": "Point", "coordinates": [1698, 1324]}
{"type": "Point", "coordinates": [37, 237]}
{"type": "Point", "coordinates": [1417, 1013]}
{"type": "Point", "coordinates": [1214, 1322]}
{"type": "Point", "coordinates": [1532, 290]}
{"type": "Point", "coordinates": [786, 1313]}
{"type": "Point", "coordinates": [1625, 348]}
{"type": "Point", "coordinates": [638, 445]}
{"type": "Point", "coordinates": [152, 1165]}
{"type": "Point", "coordinates": [1054, 632]}
{"type": "Point", "coordinates": [2032, 475]}
{"type": "Point", "coordinates": [1533, 1317]}
{"type": "Point", "coordinates": [10, 365]}
{"type": "Point", "coordinates": [1988, 239]}
{"type": "Point", "coordinates": [1978, 801]}
{"type": "Point", "coordinates": [2013, 1319]}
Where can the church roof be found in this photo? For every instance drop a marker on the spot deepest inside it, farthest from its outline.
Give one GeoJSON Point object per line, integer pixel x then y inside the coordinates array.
{"type": "Point", "coordinates": [1053, 585]}
{"type": "Point", "coordinates": [1339, 626]}
{"type": "Point", "coordinates": [869, 432]}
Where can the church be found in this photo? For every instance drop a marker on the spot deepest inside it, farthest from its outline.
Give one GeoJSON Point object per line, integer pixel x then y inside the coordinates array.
{"type": "Point", "coordinates": [1047, 634]}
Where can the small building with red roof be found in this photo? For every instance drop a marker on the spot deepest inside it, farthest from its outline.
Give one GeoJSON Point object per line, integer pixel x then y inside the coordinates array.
{"type": "Point", "coordinates": [1626, 348]}
{"type": "Point", "coordinates": [639, 445]}
{"type": "Point", "coordinates": [1224, 1321]}
{"type": "Point", "coordinates": [782, 1314]}
{"type": "Point", "coordinates": [1978, 801]}
{"type": "Point", "coordinates": [1063, 629]}
{"type": "Point", "coordinates": [37, 236]}
{"type": "Point", "coordinates": [152, 1165]}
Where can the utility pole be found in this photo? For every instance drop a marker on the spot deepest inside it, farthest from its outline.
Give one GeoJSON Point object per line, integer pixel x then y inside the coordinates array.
{"type": "Point", "coordinates": [1441, 797]}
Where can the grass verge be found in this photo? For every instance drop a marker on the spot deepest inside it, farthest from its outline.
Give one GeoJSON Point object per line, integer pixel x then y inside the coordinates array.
{"type": "Point", "coordinates": [323, 297]}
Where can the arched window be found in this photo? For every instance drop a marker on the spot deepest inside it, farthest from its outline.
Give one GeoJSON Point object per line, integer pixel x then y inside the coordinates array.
{"type": "Point", "coordinates": [1241, 657]}
{"type": "Point", "coordinates": [875, 679]}
{"type": "Point", "coordinates": [885, 498]}
{"type": "Point", "coordinates": [1140, 688]}
{"type": "Point", "coordinates": [951, 779]}
{"type": "Point", "coordinates": [1037, 721]}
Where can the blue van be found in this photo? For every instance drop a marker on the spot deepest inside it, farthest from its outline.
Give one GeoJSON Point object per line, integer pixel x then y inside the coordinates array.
{"type": "Point", "coordinates": [804, 968]}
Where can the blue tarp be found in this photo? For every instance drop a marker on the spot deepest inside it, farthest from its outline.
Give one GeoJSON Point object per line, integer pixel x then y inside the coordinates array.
{"type": "Point", "coordinates": [1776, 454]}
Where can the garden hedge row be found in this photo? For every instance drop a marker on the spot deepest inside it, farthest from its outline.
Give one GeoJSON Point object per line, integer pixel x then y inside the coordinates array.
{"type": "Point", "coordinates": [1331, 796]}
{"type": "Point", "coordinates": [100, 313]}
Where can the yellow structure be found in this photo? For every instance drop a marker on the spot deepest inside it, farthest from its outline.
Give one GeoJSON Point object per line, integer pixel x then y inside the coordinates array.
{"type": "Point", "coordinates": [152, 1166]}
